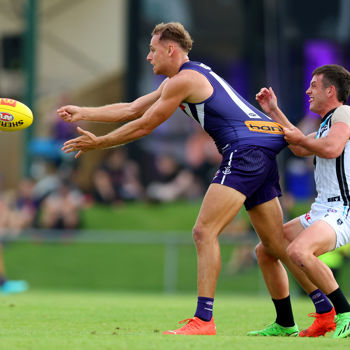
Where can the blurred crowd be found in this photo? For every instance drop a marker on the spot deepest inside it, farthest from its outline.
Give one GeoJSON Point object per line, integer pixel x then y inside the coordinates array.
{"type": "Point", "coordinates": [52, 197]}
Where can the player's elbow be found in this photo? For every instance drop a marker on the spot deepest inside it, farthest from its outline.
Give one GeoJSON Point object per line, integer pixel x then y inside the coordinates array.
{"type": "Point", "coordinates": [331, 151]}
{"type": "Point", "coordinates": [299, 151]}
{"type": "Point", "coordinates": [132, 112]}
{"type": "Point", "coordinates": [145, 131]}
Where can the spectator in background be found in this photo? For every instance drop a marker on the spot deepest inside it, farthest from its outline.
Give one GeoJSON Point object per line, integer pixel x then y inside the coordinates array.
{"type": "Point", "coordinates": [46, 145]}
{"type": "Point", "coordinates": [172, 181]}
{"type": "Point", "coordinates": [60, 130]}
{"type": "Point", "coordinates": [25, 204]}
{"type": "Point", "coordinates": [16, 213]}
{"type": "Point", "coordinates": [202, 155]}
{"type": "Point", "coordinates": [117, 179]}
{"type": "Point", "coordinates": [61, 208]}
{"type": "Point", "coordinates": [17, 209]}
{"type": "Point", "coordinates": [48, 180]}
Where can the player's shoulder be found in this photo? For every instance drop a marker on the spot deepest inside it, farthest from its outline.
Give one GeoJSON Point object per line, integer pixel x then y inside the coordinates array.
{"type": "Point", "coordinates": [183, 79]}
{"type": "Point", "coordinates": [177, 85]}
{"type": "Point", "coordinates": [341, 115]}
{"type": "Point", "coordinates": [343, 109]}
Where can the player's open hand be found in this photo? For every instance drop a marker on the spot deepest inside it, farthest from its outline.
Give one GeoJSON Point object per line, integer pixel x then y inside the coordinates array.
{"type": "Point", "coordinates": [267, 99]}
{"type": "Point", "coordinates": [86, 142]}
{"type": "Point", "coordinates": [70, 113]}
{"type": "Point", "coordinates": [293, 135]}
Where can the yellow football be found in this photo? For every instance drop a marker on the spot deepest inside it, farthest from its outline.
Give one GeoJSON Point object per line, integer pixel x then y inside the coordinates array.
{"type": "Point", "coordinates": [14, 115]}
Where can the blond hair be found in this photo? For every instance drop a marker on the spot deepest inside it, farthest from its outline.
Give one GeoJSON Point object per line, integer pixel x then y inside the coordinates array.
{"type": "Point", "coordinates": [174, 31]}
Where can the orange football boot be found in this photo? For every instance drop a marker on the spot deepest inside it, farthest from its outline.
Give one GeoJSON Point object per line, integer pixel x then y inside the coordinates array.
{"type": "Point", "coordinates": [195, 326]}
{"type": "Point", "coordinates": [322, 324]}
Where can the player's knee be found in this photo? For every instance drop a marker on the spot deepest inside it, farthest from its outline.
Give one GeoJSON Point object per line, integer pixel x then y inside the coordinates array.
{"type": "Point", "coordinates": [199, 234]}
{"type": "Point", "coordinates": [288, 233]}
{"type": "Point", "coordinates": [260, 252]}
{"type": "Point", "coordinates": [296, 254]}
{"type": "Point", "coordinates": [263, 255]}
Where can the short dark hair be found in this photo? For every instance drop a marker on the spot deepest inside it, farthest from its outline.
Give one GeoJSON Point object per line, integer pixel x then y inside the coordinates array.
{"type": "Point", "coordinates": [174, 31]}
{"type": "Point", "coordinates": [338, 76]}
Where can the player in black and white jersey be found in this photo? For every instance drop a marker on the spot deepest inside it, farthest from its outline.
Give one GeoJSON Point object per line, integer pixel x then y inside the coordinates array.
{"type": "Point", "coordinates": [327, 225]}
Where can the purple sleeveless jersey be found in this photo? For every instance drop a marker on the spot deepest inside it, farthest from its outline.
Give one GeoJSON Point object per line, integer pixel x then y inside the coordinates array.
{"type": "Point", "coordinates": [229, 119]}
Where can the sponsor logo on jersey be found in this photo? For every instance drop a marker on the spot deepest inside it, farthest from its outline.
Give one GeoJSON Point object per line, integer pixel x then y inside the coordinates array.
{"type": "Point", "coordinates": [330, 210]}
{"type": "Point", "coordinates": [307, 217]}
{"type": "Point", "coordinates": [264, 126]}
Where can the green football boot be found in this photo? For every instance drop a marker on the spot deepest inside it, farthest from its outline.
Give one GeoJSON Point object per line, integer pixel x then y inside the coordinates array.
{"type": "Point", "coordinates": [342, 329]}
{"type": "Point", "coordinates": [275, 330]}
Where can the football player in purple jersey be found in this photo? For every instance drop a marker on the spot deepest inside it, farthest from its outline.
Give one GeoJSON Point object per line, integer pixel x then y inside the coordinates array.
{"type": "Point", "coordinates": [247, 139]}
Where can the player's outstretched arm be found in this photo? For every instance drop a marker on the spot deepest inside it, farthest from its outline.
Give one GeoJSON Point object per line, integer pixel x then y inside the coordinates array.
{"type": "Point", "coordinates": [117, 112]}
{"type": "Point", "coordinates": [173, 93]}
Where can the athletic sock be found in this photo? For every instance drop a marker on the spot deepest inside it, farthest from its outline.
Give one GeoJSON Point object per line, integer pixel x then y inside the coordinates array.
{"type": "Point", "coordinates": [204, 308]}
{"type": "Point", "coordinates": [284, 312]}
{"type": "Point", "coordinates": [339, 301]}
{"type": "Point", "coordinates": [321, 302]}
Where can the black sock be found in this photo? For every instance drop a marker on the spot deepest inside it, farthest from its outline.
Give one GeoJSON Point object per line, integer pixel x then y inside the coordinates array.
{"type": "Point", "coordinates": [339, 301]}
{"type": "Point", "coordinates": [284, 312]}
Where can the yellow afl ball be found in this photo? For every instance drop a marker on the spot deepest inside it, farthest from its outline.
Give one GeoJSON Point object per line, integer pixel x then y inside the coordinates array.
{"type": "Point", "coordinates": [14, 115]}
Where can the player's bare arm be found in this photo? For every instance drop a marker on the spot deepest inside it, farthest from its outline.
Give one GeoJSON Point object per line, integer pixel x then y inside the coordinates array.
{"type": "Point", "coordinates": [330, 146]}
{"type": "Point", "coordinates": [175, 90]}
{"type": "Point", "coordinates": [301, 151]}
{"type": "Point", "coordinates": [268, 102]}
{"type": "Point", "coordinates": [117, 112]}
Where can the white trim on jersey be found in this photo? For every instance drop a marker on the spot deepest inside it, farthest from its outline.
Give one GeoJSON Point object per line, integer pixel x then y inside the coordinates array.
{"type": "Point", "coordinates": [249, 112]}
{"type": "Point", "coordinates": [200, 113]}
{"type": "Point", "coordinates": [227, 169]}
{"type": "Point", "coordinates": [199, 110]}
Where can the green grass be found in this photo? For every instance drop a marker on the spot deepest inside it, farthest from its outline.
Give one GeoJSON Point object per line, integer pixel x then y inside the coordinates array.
{"type": "Point", "coordinates": [40, 320]}
{"type": "Point", "coordinates": [174, 216]}
{"type": "Point", "coordinates": [115, 267]}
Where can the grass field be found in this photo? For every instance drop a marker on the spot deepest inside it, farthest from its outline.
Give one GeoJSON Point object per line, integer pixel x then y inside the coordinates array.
{"type": "Point", "coordinates": [48, 320]}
